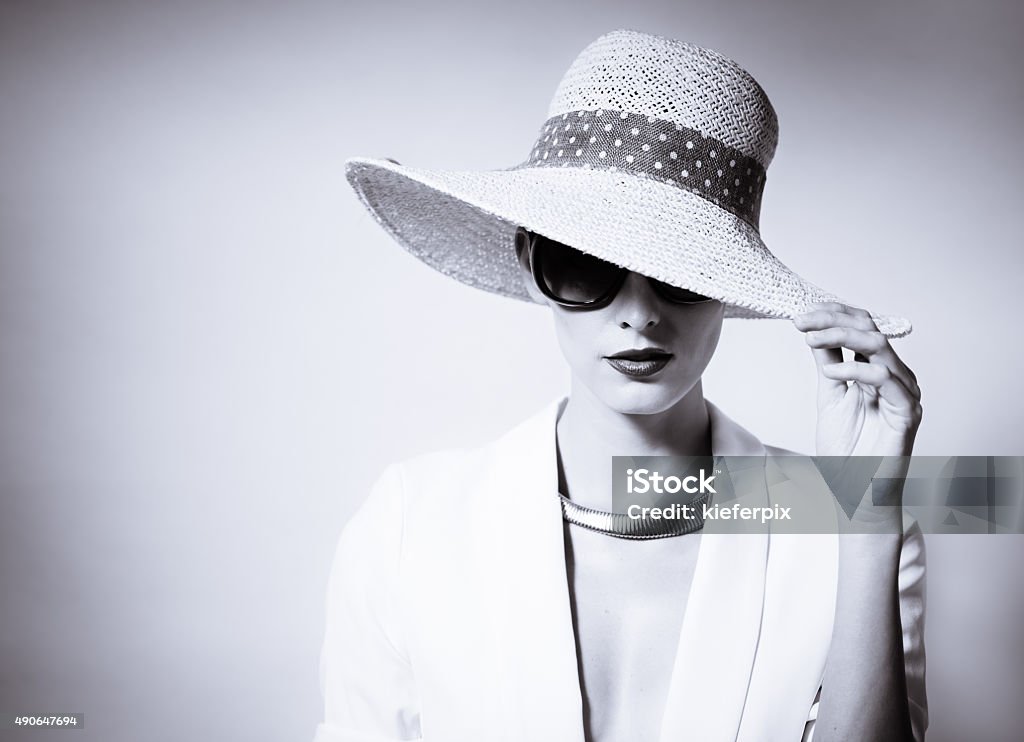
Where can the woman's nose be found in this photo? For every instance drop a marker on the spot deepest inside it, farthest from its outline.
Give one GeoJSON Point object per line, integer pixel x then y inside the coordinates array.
{"type": "Point", "coordinates": [636, 305]}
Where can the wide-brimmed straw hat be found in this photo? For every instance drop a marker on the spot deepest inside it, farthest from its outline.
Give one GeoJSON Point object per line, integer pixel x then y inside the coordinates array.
{"type": "Point", "coordinates": [653, 157]}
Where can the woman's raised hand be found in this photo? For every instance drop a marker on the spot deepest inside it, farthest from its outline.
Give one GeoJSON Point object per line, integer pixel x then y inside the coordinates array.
{"type": "Point", "coordinates": [868, 406]}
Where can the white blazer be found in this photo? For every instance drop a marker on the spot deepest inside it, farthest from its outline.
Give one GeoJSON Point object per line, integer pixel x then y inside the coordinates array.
{"type": "Point", "coordinates": [449, 618]}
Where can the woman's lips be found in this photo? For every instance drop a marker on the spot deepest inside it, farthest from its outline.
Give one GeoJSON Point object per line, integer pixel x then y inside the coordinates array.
{"type": "Point", "coordinates": [639, 363]}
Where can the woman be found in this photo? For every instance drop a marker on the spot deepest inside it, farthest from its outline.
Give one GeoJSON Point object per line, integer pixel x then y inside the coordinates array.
{"type": "Point", "coordinates": [489, 593]}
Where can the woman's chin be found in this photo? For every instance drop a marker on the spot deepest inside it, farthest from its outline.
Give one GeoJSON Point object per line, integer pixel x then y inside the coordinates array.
{"type": "Point", "coordinates": [639, 397]}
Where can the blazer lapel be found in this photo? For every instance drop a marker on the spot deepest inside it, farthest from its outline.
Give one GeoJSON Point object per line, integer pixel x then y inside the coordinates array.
{"type": "Point", "coordinates": [521, 561]}
{"type": "Point", "coordinates": [799, 612]}
{"type": "Point", "coordinates": [757, 630]}
{"type": "Point", "coordinates": [721, 628]}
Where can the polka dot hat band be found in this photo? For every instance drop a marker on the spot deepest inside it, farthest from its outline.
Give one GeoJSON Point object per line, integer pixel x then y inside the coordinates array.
{"type": "Point", "coordinates": [653, 156]}
{"type": "Point", "coordinates": [645, 145]}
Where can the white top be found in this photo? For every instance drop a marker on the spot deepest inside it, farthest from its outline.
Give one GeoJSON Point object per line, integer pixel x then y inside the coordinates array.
{"type": "Point", "coordinates": [449, 613]}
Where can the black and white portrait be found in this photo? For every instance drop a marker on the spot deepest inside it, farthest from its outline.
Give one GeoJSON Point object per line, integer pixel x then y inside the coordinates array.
{"type": "Point", "coordinates": [330, 329]}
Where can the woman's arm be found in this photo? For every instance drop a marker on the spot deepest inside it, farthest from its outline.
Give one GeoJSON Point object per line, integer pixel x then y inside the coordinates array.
{"type": "Point", "coordinates": [864, 689]}
{"type": "Point", "coordinates": [867, 406]}
{"type": "Point", "coordinates": [911, 581]}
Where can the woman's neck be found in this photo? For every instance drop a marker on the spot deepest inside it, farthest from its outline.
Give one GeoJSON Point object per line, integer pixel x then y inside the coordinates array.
{"type": "Point", "coordinates": [589, 433]}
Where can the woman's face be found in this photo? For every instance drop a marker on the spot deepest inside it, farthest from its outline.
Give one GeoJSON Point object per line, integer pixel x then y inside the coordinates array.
{"type": "Point", "coordinates": [662, 348]}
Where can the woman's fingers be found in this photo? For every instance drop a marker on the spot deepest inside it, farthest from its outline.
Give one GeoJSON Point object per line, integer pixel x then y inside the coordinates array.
{"type": "Point", "coordinates": [836, 326]}
{"type": "Point", "coordinates": [867, 342]}
{"type": "Point", "coordinates": [834, 315]}
{"type": "Point", "coordinates": [888, 385]}
{"type": "Point", "coordinates": [829, 390]}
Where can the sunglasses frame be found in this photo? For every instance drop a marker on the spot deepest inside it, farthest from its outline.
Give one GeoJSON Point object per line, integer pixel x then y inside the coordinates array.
{"type": "Point", "coordinates": [662, 289]}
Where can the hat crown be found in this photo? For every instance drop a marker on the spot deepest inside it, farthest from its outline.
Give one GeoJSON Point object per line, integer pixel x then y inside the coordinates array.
{"type": "Point", "coordinates": [674, 81]}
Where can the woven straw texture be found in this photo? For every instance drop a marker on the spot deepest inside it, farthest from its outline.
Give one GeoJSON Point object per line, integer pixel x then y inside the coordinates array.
{"type": "Point", "coordinates": [675, 82]}
{"type": "Point", "coordinates": [462, 223]}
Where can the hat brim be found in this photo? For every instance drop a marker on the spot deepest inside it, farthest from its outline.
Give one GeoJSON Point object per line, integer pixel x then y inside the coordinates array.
{"type": "Point", "coordinates": [462, 223]}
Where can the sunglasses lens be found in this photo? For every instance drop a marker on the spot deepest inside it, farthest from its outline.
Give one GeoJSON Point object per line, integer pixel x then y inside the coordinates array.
{"type": "Point", "coordinates": [573, 276]}
{"type": "Point", "coordinates": [677, 295]}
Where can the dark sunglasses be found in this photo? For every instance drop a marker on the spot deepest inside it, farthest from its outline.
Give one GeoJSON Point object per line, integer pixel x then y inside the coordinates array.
{"type": "Point", "coordinates": [574, 279]}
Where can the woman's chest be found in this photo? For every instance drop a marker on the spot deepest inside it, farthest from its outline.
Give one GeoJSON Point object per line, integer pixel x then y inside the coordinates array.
{"type": "Point", "coordinates": [628, 602]}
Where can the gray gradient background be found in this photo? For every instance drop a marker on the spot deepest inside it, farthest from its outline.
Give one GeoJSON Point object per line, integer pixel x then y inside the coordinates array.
{"type": "Point", "coordinates": [208, 350]}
